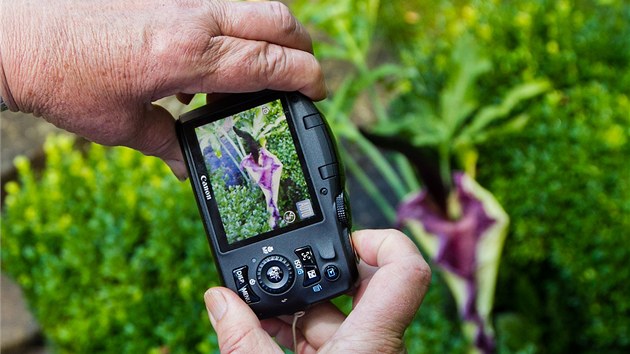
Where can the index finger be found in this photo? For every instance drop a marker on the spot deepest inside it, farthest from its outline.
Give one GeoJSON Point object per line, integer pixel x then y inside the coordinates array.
{"type": "Point", "coordinates": [379, 248]}
{"type": "Point", "coordinates": [268, 21]}
{"type": "Point", "coordinates": [389, 296]}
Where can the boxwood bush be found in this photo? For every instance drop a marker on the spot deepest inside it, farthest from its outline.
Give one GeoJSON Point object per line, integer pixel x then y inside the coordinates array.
{"type": "Point", "coordinates": [109, 251]}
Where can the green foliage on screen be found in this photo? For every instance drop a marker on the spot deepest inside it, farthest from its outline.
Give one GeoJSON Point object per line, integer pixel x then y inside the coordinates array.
{"type": "Point", "coordinates": [242, 207]}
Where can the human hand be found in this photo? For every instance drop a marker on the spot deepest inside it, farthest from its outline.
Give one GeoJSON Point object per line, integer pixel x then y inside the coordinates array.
{"type": "Point", "coordinates": [393, 279]}
{"type": "Point", "coordinates": [94, 68]}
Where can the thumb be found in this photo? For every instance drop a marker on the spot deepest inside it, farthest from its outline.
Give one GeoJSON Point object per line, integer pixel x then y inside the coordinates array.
{"type": "Point", "coordinates": [237, 327]}
{"type": "Point", "coordinates": [156, 137]}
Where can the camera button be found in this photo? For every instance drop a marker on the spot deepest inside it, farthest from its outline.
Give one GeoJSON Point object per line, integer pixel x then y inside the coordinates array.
{"type": "Point", "coordinates": [240, 277]}
{"type": "Point", "coordinates": [329, 171]}
{"type": "Point", "coordinates": [241, 280]}
{"type": "Point", "coordinates": [312, 121]}
{"type": "Point", "coordinates": [274, 274]}
{"type": "Point", "coordinates": [331, 272]}
{"type": "Point", "coordinates": [305, 255]}
{"type": "Point", "coordinates": [342, 213]}
{"type": "Point", "coordinates": [311, 275]}
{"type": "Point", "coordinates": [247, 294]}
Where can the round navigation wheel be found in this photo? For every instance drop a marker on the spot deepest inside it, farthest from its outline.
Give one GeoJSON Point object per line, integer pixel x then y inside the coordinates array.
{"type": "Point", "coordinates": [275, 274]}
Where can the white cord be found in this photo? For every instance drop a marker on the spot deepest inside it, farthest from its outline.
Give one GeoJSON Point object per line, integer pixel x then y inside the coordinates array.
{"type": "Point", "coordinates": [293, 328]}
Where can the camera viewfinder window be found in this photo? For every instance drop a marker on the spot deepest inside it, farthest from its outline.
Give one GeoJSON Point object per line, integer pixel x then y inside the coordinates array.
{"type": "Point", "coordinates": [255, 172]}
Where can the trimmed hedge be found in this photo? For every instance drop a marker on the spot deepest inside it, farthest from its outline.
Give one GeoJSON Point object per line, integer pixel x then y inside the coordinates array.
{"type": "Point", "coordinates": [110, 252]}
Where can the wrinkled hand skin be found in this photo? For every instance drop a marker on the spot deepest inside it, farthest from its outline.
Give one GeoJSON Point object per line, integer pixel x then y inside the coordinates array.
{"type": "Point", "coordinates": [95, 67]}
{"type": "Point", "coordinates": [393, 281]}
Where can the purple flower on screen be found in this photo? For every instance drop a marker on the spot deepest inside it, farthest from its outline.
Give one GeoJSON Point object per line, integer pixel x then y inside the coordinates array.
{"type": "Point", "coordinates": [266, 172]}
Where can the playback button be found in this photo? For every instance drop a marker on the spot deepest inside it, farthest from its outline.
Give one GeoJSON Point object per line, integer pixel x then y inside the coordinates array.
{"type": "Point", "coordinates": [331, 272]}
{"type": "Point", "coordinates": [241, 280]}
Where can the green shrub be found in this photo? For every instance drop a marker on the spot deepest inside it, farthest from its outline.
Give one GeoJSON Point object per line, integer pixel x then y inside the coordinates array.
{"type": "Point", "coordinates": [110, 251]}
{"type": "Point", "coordinates": [568, 42]}
{"type": "Point", "coordinates": [565, 181]}
{"type": "Point", "coordinates": [436, 327]}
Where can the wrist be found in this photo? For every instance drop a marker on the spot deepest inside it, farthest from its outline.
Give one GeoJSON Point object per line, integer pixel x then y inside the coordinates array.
{"type": "Point", "coordinates": [5, 92]}
{"type": "Point", "coordinates": [24, 40]}
{"type": "Point", "coordinates": [6, 99]}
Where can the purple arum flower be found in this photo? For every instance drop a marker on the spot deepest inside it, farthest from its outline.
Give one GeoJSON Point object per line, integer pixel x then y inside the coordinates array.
{"type": "Point", "coordinates": [468, 248]}
{"type": "Point", "coordinates": [266, 173]}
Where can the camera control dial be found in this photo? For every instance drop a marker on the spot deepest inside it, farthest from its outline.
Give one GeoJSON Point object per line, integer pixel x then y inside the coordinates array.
{"type": "Point", "coordinates": [340, 207]}
{"type": "Point", "coordinates": [275, 274]}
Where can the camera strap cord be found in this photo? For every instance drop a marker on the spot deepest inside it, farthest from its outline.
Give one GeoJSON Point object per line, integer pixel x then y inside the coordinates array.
{"type": "Point", "coordinates": [296, 316]}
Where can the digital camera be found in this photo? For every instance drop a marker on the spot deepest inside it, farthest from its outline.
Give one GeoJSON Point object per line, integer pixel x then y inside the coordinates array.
{"type": "Point", "coordinates": [269, 185]}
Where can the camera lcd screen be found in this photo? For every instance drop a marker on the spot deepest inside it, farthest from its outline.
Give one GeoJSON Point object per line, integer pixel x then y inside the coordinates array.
{"type": "Point", "coordinates": [256, 174]}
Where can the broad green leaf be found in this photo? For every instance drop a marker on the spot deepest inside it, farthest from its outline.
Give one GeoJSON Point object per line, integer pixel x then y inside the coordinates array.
{"type": "Point", "coordinates": [515, 96]}
{"type": "Point", "coordinates": [457, 101]}
{"type": "Point", "coordinates": [514, 125]}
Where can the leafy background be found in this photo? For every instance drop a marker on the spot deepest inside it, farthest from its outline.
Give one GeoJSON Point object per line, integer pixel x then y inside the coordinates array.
{"type": "Point", "coordinates": [111, 255]}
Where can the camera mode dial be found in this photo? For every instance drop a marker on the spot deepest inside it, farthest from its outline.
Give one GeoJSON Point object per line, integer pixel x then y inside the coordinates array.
{"type": "Point", "coordinates": [275, 274]}
{"type": "Point", "coordinates": [342, 213]}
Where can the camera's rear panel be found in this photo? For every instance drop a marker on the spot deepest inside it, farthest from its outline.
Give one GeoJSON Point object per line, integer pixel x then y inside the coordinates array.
{"type": "Point", "coordinates": [287, 272]}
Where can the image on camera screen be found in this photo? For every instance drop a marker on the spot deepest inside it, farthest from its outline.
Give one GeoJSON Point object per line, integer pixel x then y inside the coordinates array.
{"type": "Point", "coordinates": [255, 173]}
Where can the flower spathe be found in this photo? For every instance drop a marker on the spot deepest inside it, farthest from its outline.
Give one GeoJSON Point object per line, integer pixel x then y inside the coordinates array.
{"type": "Point", "coordinates": [467, 248]}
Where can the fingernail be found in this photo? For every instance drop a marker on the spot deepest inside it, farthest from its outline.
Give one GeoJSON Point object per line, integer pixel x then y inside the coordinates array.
{"type": "Point", "coordinates": [178, 168]}
{"type": "Point", "coordinates": [215, 304]}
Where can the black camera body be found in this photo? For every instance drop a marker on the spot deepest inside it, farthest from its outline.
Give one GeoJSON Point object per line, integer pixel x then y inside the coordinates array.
{"type": "Point", "coordinates": [269, 185]}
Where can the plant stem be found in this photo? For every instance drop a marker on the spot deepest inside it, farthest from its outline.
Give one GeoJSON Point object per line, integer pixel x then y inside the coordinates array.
{"type": "Point", "coordinates": [382, 165]}
{"type": "Point", "coordinates": [445, 165]}
{"type": "Point", "coordinates": [370, 188]}
{"type": "Point", "coordinates": [407, 172]}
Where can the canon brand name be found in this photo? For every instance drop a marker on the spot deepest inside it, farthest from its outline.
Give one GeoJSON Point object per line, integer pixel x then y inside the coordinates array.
{"type": "Point", "coordinates": [206, 188]}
